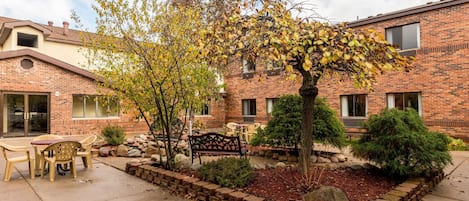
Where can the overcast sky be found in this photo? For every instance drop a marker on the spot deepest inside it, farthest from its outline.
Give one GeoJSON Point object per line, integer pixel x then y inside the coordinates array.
{"type": "Point", "coordinates": [58, 11]}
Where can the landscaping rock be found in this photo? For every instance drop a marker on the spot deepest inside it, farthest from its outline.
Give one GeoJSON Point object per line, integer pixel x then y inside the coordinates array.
{"type": "Point", "coordinates": [326, 193]}
{"type": "Point", "coordinates": [134, 153]}
{"type": "Point", "coordinates": [182, 161]}
{"type": "Point", "coordinates": [150, 150]}
{"type": "Point", "coordinates": [122, 150]}
{"type": "Point", "coordinates": [334, 159]}
{"type": "Point", "coordinates": [130, 140]}
{"type": "Point", "coordinates": [282, 158]}
{"type": "Point", "coordinates": [158, 158]}
{"type": "Point", "coordinates": [280, 165]}
{"type": "Point", "coordinates": [104, 151]}
{"type": "Point", "coordinates": [314, 159]}
{"type": "Point", "coordinates": [340, 157]}
{"type": "Point", "coordinates": [323, 160]}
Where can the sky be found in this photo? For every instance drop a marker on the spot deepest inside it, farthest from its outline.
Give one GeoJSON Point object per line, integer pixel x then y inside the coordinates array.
{"type": "Point", "coordinates": [57, 11]}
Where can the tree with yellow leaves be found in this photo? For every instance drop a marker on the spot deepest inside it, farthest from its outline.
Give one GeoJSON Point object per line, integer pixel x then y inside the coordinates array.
{"type": "Point", "coordinates": [309, 51]}
{"type": "Point", "coordinates": [147, 52]}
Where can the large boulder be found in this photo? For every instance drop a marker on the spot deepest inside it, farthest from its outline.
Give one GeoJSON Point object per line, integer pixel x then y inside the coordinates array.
{"type": "Point", "coordinates": [326, 193]}
{"type": "Point", "coordinates": [104, 151]}
{"type": "Point", "coordinates": [340, 157]}
{"type": "Point", "coordinates": [159, 159]}
{"type": "Point", "coordinates": [182, 161]}
{"type": "Point", "coordinates": [150, 150]}
{"type": "Point", "coordinates": [323, 160]}
{"type": "Point", "coordinates": [122, 150]}
{"type": "Point", "coordinates": [134, 153]}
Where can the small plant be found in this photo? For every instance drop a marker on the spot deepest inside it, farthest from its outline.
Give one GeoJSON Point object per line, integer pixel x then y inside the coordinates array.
{"type": "Point", "coordinates": [228, 172]}
{"type": "Point", "coordinates": [400, 144]}
{"type": "Point", "coordinates": [114, 135]}
{"type": "Point", "coordinates": [312, 181]}
{"type": "Point", "coordinates": [457, 145]}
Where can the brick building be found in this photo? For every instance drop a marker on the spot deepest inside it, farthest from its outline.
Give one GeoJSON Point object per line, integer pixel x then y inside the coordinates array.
{"type": "Point", "coordinates": [42, 89]}
{"type": "Point", "coordinates": [437, 34]}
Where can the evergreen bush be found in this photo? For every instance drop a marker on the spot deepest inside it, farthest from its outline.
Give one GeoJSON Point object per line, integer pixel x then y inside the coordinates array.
{"type": "Point", "coordinates": [400, 144]}
{"type": "Point", "coordinates": [228, 172]}
{"type": "Point", "coordinates": [114, 135]}
{"type": "Point", "coordinates": [284, 129]}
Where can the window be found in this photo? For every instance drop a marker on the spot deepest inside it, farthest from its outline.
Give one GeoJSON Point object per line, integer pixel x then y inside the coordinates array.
{"type": "Point", "coordinates": [94, 106]}
{"type": "Point", "coordinates": [273, 67]}
{"type": "Point", "coordinates": [27, 40]}
{"type": "Point", "coordinates": [405, 100]}
{"type": "Point", "coordinates": [270, 104]}
{"type": "Point", "coordinates": [249, 65]}
{"type": "Point", "coordinates": [353, 105]}
{"type": "Point", "coordinates": [404, 37]}
{"type": "Point", "coordinates": [249, 107]}
{"type": "Point", "coordinates": [203, 110]}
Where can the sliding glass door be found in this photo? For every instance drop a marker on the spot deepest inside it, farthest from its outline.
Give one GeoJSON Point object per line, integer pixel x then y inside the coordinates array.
{"type": "Point", "coordinates": [25, 114]}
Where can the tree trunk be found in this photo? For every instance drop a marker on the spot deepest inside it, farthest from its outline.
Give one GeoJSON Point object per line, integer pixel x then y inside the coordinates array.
{"type": "Point", "coordinates": [308, 92]}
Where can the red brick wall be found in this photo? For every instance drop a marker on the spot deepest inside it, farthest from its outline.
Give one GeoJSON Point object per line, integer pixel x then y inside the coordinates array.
{"type": "Point", "coordinates": [47, 78]}
{"type": "Point", "coordinates": [260, 87]}
{"type": "Point", "coordinates": [216, 118]}
{"type": "Point", "coordinates": [440, 74]}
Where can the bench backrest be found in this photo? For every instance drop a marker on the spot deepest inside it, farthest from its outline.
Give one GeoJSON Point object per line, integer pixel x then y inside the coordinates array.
{"type": "Point", "coordinates": [215, 142]}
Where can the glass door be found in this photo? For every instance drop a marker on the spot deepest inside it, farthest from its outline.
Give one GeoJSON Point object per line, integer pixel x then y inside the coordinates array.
{"type": "Point", "coordinates": [37, 114]}
{"type": "Point", "coordinates": [25, 114]}
{"type": "Point", "coordinates": [14, 115]}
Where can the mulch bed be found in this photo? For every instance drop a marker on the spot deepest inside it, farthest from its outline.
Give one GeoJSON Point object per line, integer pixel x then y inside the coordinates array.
{"type": "Point", "coordinates": [284, 184]}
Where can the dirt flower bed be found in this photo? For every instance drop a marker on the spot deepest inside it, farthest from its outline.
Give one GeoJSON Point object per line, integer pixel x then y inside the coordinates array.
{"type": "Point", "coordinates": [283, 184]}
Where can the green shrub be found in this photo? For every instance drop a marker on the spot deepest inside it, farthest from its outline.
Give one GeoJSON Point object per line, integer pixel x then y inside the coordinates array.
{"type": "Point", "coordinates": [456, 145]}
{"type": "Point", "coordinates": [284, 129]}
{"type": "Point", "coordinates": [399, 143]}
{"type": "Point", "coordinates": [228, 172]}
{"type": "Point", "coordinates": [114, 135]}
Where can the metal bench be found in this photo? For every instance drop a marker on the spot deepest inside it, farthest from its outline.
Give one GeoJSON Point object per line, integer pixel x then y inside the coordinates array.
{"type": "Point", "coordinates": [215, 144]}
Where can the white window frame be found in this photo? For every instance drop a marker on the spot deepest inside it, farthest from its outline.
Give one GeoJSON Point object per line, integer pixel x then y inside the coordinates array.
{"type": "Point", "coordinates": [390, 100]}
{"type": "Point", "coordinates": [403, 29]}
{"type": "Point", "coordinates": [97, 105]}
{"type": "Point", "coordinates": [344, 106]}
{"type": "Point", "coordinates": [270, 105]}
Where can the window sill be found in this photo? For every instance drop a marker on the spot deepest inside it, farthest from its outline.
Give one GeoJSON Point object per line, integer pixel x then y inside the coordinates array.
{"type": "Point", "coordinates": [273, 72]}
{"type": "Point", "coordinates": [408, 52]}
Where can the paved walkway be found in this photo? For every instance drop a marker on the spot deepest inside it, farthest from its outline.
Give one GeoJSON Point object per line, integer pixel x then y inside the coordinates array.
{"type": "Point", "coordinates": [455, 187]}
{"type": "Point", "coordinates": [102, 183]}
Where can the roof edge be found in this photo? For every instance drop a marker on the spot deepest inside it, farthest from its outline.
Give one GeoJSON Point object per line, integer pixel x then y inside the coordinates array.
{"type": "Point", "coordinates": [51, 60]}
{"type": "Point", "coordinates": [9, 26]}
{"type": "Point", "coordinates": [405, 12]}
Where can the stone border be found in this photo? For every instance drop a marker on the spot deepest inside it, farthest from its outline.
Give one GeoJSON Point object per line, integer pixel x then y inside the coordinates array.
{"type": "Point", "coordinates": [186, 186]}
{"type": "Point", "coordinates": [413, 189]}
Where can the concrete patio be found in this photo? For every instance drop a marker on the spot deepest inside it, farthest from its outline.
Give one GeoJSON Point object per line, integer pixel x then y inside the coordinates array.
{"type": "Point", "coordinates": [103, 182]}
